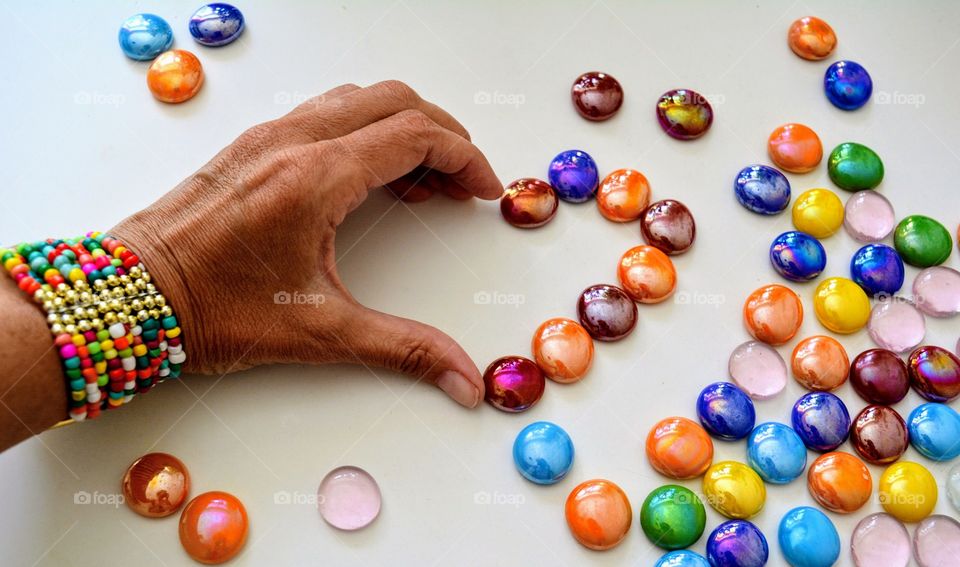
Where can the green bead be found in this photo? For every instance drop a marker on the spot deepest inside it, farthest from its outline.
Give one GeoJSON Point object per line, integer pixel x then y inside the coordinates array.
{"type": "Point", "coordinates": [169, 322]}
{"type": "Point", "coordinates": [150, 324]}
{"type": "Point", "coordinates": [102, 380]}
{"type": "Point", "coordinates": [93, 348]}
{"type": "Point", "coordinates": [103, 335]}
{"type": "Point", "coordinates": [672, 517]}
{"type": "Point", "coordinates": [77, 384]}
{"type": "Point", "coordinates": [922, 241]}
{"type": "Point", "coordinates": [855, 167]}
{"type": "Point", "coordinates": [72, 362]}
{"type": "Point", "coordinates": [73, 373]}
{"type": "Point", "coordinates": [125, 353]}
{"type": "Point", "coordinates": [77, 403]}
{"type": "Point", "coordinates": [5, 254]}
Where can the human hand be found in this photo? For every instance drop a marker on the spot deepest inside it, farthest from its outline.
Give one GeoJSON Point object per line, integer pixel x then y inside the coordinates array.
{"type": "Point", "coordinates": [260, 219]}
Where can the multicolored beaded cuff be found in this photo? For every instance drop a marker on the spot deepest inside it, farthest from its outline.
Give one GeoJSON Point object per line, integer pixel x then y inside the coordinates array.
{"type": "Point", "coordinates": [114, 331]}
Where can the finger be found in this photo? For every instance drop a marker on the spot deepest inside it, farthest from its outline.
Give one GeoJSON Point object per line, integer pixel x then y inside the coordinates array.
{"type": "Point", "coordinates": [312, 103]}
{"type": "Point", "coordinates": [410, 189]}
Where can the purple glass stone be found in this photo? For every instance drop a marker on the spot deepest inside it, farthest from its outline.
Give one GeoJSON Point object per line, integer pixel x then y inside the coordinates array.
{"type": "Point", "coordinates": [935, 373]}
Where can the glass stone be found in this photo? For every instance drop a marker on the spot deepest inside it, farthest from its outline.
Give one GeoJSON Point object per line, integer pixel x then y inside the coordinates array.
{"type": "Point", "coordinates": [936, 543]}
{"type": "Point", "coordinates": [684, 114]}
{"type": "Point", "coordinates": [175, 76]}
{"type": "Point", "coordinates": [528, 203]}
{"type": "Point", "coordinates": [156, 485]}
{"type": "Point", "coordinates": [934, 373]}
{"type": "Point", "coordinates": [869, 216]}
{"type": "Point", "coordinates": [623, 195]}
{"type": "Point", "coordinates": [216, 24]}
{"type": "Point", "coordinates": [672, 517]}
{"type": "Point", "coordinates": [908, 491]}
{"type": "Point", "coordinates": [936, 290]}
{"type": "Point", "coordinates": [776, 453]}
{"type": "Point", "coordinates": [880, 376]}
{"type": "Point", "coordinates": [896, 325]}
{"type": "Point", "coordinates": [879, 435]}
{"type": "Point", "coordinates": [737, 543]}
{"type": "Point", "coordinates": [144, 36]}
{"type": "Point", "coordinates": [669, 226]}
{"type": "Point", "coordinates": [543, 452]}
{"type": "Point", "coordinates": [758, 369]}
{"type": "Point", "coordinates": [598, 514]}
{"type": "Point", "coordinates": [679, 448]}
{"type": "Point", "coordinates": [878, 269]}
{"type": "Point", "coordinates": [647, 274]}
{"type": "Point", "coordinates": [682, 558]}
{"type": "Point", "coordinates": [596, 96]}
{"type": "Point", "coordinates": [922, 241]}
{"type": "Point", "coordinates": [773, 314]}
{"type": "Point", "coordinates": [820, 363]}
{"type": "Point", "coordinates": [734, 489]}
{"type": "Point", "coordinates": [607, 312]}
{"type": "Point", "coordinates": [726, 411]}
{"type": "Point", "coordinates": [808, 537]}
{"type": "Point", "coordinates": [795, 148]}
{"type": "Point", "coordinates": [811, 38]}
{"type": "Point", "coordinates": [880, 540]}
{"type": "Point", "coordinates": [821, 420]}
{"type": "Point", "coordinates": [573, 175]}
{"type": "Point", "coordinates": [213, 527]}
{"type": "Point", "coordinates": [563, 350]}
{"type": "Point", "coordinates": [797, 256]}
{"type": "Point", "coordinates": [935, 431]}
{"type": "Point", "coordinates": [953, 486]}
{"type": "Point", "coordinates": [513, 383]}
{"type": "Point", "coordinates": [348, 498]}
{"type": "Point", "coordinates": [762, 189]}
{"type": "Point", "coordinates": [847, 85]}
{"type": "Point", "coordinates": [840, 482]}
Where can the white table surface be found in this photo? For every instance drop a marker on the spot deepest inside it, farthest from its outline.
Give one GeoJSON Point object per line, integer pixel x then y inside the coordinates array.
{"type": "Point", "coordinates": [80, 128]}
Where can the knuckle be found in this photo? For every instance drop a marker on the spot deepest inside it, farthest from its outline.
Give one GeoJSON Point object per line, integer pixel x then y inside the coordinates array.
{"type": "Point", "coordinates": [259, 135]}
{"type": "Point", "coordinates": [414, 120]}
{"type": "Point", "coordinates": [400, 91]}
{"type": "Point", "coordinates": [415, 357]}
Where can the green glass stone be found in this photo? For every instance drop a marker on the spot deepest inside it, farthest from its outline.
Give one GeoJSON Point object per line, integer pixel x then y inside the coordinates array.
{"type": "Point", "coordinates": [855, 167]}
{"type": "Point", "coordinates": [922, 241]}
{"type": "Point", "coordinates": [672, 517]}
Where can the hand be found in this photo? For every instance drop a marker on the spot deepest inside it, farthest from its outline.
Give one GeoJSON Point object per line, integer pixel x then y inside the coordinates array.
{"type": "Point", "coordinates": [260, 219]}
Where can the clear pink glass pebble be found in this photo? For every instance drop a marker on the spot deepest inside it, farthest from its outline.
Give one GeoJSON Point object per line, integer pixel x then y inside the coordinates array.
{"type": "Point", "coordinates": [880, 540]}
{"type": "Point", "coordinates": [937, 291]}
{"type": "Point", "coordinates": [758, 369]}
{"type": "Point", "coordinates": [896, 325]}
{"type": "Point", "coordinates": [936, 543]}
{"type": "Point", "coordinates": [348, 498]}
{"type": "Point", "coordinates": [868, 216]}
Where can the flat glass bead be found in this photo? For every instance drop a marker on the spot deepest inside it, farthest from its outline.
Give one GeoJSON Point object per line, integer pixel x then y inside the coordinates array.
{"type": "Point", "coordinates": [672, 517]}
{"type": "Point", "coordinates": [682, 558]}
{"type": "Point", "coordinates": [513, 383]}
{"type": "Point", "coordinates": [684, 114]}
{"type": "Point", "coordinates": [868, 216]}
{"type": "Point", "coordinates": [348, 498]}
{"type": "Point", "coordinates": [543, 452]}
{"type": "Point", "coordinates": [795, 148]}
{"type": "Point", "coordinates": [679, 448]}
{"type": "Point", "coordinates": [797, 256]}
{"type": "Point", "coordinates": [880, 540]}
{"type": "Point", "coordinates": [562, 349]}
{"type": "Point", "coordinates": [598, 514]}
{"type": "Point", "coordinates": [840, 482]}
{"type": "Point", "coordinates": [936, 291]}
{"type": "Point", "coordinates": [156, 485]}
{"type": "Point", "coordinates": [623, 195]}
{"type": "Point", "coordinates": [776, 453]}
{"type": "Point", "coordinates": [936, 543]}
{"type": "Point", "coordinates": [935, 431]}
{"type": "Point", "coordinates": [841, 305]}
{"type": "Point", "coordinates": [762, 189]}
{"type": "Point", "coordinates": [669, 226]}
{"type": "Point", "coordinates": [737, 543]}
{"type": "Point", "coordinates": [808, 538]}
{"type": "Point", "coordinates": [847, 85]}
{"type": "Point", "coordinates": [726, 411]}
{"type": "Point", "coordinates": [607, 312]}
{"type": "Point", "coordinates": [934, 373]}
{"type": "Point", "coordinates": [144, 36]}
{"type": "Point", "coordinates": [878, 269]}
{"type": "Point", "coordinates": [953, 486]}
{"type": "Point", "coordinates": [818, 212]}
{"type": "Point", "coordinates": [734, 489]}
{"type": "Point", "coordinates": [216, 24]}
{"type": "Point", "coordinates": [213, 527]}
{"type": "Point", "coordinates": [821, 420]}
{"type": "Point", "coordinates": [820, 363]}
{"type": "Point", "coordinates": [879, 435]}
{"type": "Point", "coordinates": [596, 96]}
{"type": "Point", "coordinates": [573, 175]}
{"type": "Point", "coordinates": [773, 314]}
{"type": "Point", "coordinates": [922, 241]}
{"type": "Point", "coordinates": [854, 167]}
{"type": "Point", "coordinates": [758, 369]}
{"type": "Point", "coordinates": [528, 203]}
{"type": "Point", "coordinates": [896, 325]}
{"type": "Point", "coordinates": [174, 76]}
{"type": "Point", "coordinates": [647, 274]}
{"type": "Point", "coordinates": [908, 491]}
{"type": "Point", "coordinates": [811, 38]}
{"type": "Point", "coordinates": [879, 376]}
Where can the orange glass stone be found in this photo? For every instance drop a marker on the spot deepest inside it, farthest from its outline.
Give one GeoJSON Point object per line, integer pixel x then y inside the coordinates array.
{"type": "Point", "coordinates": [840, 482]}
{"type": "Point", "coordinates": [773, 314]}
{"type": "Point", "coordinates": [175, 76]}
{"type": "Point", "coordinates": [156, 485]}
{"type": "Point", "coordinates": [795, 148]}
{"type": "Point", "coordinates": [623, 195]}
{"type": "Point", "coordinates": [679, 448]}
{"type": "Point", "coordinates": [820, 363]}
{"type": "Point", "coordinates": [213, 527]}
{"type": "Point", "coordinates": [811, 38]}
{"type": "Point", "coordinates": [647, 274]}
{"type": "Point", "coordinates": [563, 349]}
{"type": "Point", "coordinates": [598, 514]}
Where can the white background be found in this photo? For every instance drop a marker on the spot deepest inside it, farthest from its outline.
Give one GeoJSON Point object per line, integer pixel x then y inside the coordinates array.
{"type": "Point", "coordinates": [84, 144]}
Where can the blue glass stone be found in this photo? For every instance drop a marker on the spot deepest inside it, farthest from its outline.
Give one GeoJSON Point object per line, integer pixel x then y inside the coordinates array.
{"type": "Point", "coordinates": [935, 431]}
{"type": "Point", "coordinates": [878, 269]}
{"type": "Point", "coordinates": [726, 411]}
{"type": "Point", "coordinates": [762, 189]}
{"type": "Point", "coordinates": [144, 36]}
{"type": "Point", "coordinates": [573, 175]}
{"type": "Point", "coordinates": [821, 420]}
{"type": "Point", "coordinates": [682, 558]}
{"type": "Point", "coordinates": [848, 85]}
{"type": "Point", "coordinates": [216, 24]}
{"type": "Point", "coordinates": [776, 452]}
{"type": "Point", "coordinates": [543, 452]}
{"type": "Point", "coordinates": [808, 538]}
{"type": "Point", "coordinates": [737, 543]}
{"type": "Point", "coordinates": [797, 256]}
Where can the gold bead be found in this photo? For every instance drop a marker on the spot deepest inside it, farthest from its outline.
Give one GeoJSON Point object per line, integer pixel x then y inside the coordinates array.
{"type": "Point", "coordinates": [97, 324]}
{"type": "Point", "coordinates": [84, 326]}
{"type": "Point", "coordinates": [136, 305]}
{"type": "Point", "coordinates": [117, 293]}
{"type": "Point", "coordinates": [68, 319]}
{"type": "Point", "coordinates": [53, 318]}
{"type": "Point", "coordinates": [151, 288]}
{"type": "Point", "coordinates": [56, 329]}
{"type": "Point", "coordinates": [135, 272]}
{"type": "Point", "coordinates": [142, 316]}
{"type": "Point", "coordinates": [113, 280]}
{"type": "Point", "coordinates": [130, 290]}
{"type": "Point", "coordinates": [146, 277]}
{"type": "Point", "coordinates": [125, 279]}
{"type": "Point", "coordinates": [48, 306]}
{"type": "Point", "coordinates": [166, 311]}
{"type": "Point", "coordinates": [123, 318]}
{"type": "Point", "coordinates": [99, 285]}
{"type": "Point", "coordinates": [58, 303]}
{"type": "Point", "coordinates": [86, 298]}
{"type": "Point", "coordinates": [109, 318]}
{"type": "Point", "coordinates": [70, 329]}
{"type": "Point", "coordinates": [154, 313]}
{"type": "Point", "coordinates": [79, 313]}
{"type": "Point", "coordinates": [62, 288]}
{"type": "Point", "coordinates": [161, 300]}
{"type": "Point", "coordinates": [80, 285]}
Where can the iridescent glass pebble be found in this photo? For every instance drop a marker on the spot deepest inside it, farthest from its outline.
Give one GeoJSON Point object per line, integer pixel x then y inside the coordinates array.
{"type": "Point", "coordinates": [669, 226]}
{"type": "Point", "coordinates": [175, 76]}
{"type": "Point", "coordinates": [818, 212]}
{"type": "Point", "coordinates": [808, 538]}
{"type": "Point", "coordinates": [647, 274]}
{"type": "Point", "coordinates": [880, 540]}
{"type": "Point", "coordinates": [513, 383]}
{"type": "Point", "coordinates": [762, 189]}
{"type": "Point", "coordinates": [156, 485]}
{"type": "Point", "coordinates": [213, 527]}
{"type": "Point", "coordinates": [734, 489]}
{"type": "Point", "coordinates": [216, 24]}
{"type": "Point", "coordinates": [847, 85]}
{"type": "Point", "coordinates": [795, 148]}
{"type": "Point", "coordinates": [839, 482]}
{"type": "Point", "coordinates": [841, 305]}
{"type": "Point", "coordinates": [879, 435]}
{"type": "Point", "coordinates": [726, 411]}
{"type": "Point", "coordinates": [879, 376]}
{"type": "Point", "coordinates": [528, 203]}
{"type": "Point", "coordinates": [737, 543]}
{"type": "Point", "coordinates": [797, 256]}
{"type": "Point", "coordinates": [908, 491]}
{"type": "Point", "coordinates": [623, 195]}
{"type": "Point", "coordinates": [562, 349]}
{"type": "Point", "coordinates": [543, 452]}
{"type": "Point", "coordinates": [936, 543]}
{"type": "Point", "coordinates": [672, 517]}
{"type": "Point", "coordinates": [895, 324]}
{"type": "Point", "coordinates": [953, 486]}
{"type": "Point", "coordinates": [854, 167]}
{"type": "Point", "coordinates": [776, 453]}
{"type": "Point", "coordinates": [573, 175]}
{"type": "Point", "coordinates": [773, 314]}
{"type": "Point", "coordinates": [596, 96]}
{"type": "Point", "coordinates": [922, 241]}
{"type": "Point", "coordinates": [868, 216]}
{"type": "Point", "coordinates": [821, 420]}
{"type": "Point", "coordinates": [934, 373]}
{"type": "Point", "coordinates": [144, 36]}
{"type": "Point", "coordinates": [820, 363]}
{"type": "Point", "coordinates": [679, 448]}
{"type": "Point", "coordinates": [758, 369]}
{"type": "Point", "coordinates": [935, 431]}
{"type": "Point", "coordinates": [936, 291]}
{"type": "Point", "coordinates": [682, 558]}
{"type": "Point", "coordinates": [607, 312]}
{"type": "Point", "coordinates": [684, 114]}
{"type": "Point", "coordinates": [598, 514]}
{"type": "Point", "coordinates": [878, 269]}
{"type": "Point", "coordinates": [811, 38]}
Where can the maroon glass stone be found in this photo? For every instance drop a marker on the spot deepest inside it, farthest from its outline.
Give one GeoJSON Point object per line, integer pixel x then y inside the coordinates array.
{"type": "Point", "coordinates": [935, 373]}
{"type": "Point", "coordinates": [879, 435]}
{"type": "Point", "coordinates": [513, 383]}
{"type": "Point", "coordinates": [607, 312]}
{"type": "Point", "coordinates": [596, 96]}
{"type": "Point", "coordinates": [528, 203]}
{"type": "Point", "coordinates": [879, 376]}
{"type": "Point", "coordinates": [669, 226]}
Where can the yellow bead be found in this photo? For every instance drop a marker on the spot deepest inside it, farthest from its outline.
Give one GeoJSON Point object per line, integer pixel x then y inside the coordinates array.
{"type": "Point", "coordinates": [76, 275]}
{"type": "Point", "coordinates": [841, 305]}
{"type": "Point", "coordinates": [734, 489]}
{"type": "Point", "coordinates": [110, 354]}
{"type": "Point", "coordinates": [173, 333]}
{"type": "Point", "coordinates": [79, 395]}
{"type": "Point", "coordinates": [140, 350]}
{"type": "Point", "coordinates": [11, 262]}
{"type": "Point", "coordinates": [79, 340]}
{"type": "Point", "coordinates": [118, 250]}
{"type": "Point", "coordinates": [908, 491]}
{"type": "Point", "coordinates": [100, 367]}
{"type": "Point", "coordinates": [818, 212]}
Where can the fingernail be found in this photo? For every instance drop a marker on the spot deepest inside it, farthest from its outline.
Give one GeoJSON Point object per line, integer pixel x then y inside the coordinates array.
{"type": "Point", "coordinates": [459, 388]}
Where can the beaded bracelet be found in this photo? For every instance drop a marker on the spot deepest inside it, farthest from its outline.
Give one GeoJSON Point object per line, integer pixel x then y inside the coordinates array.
{"type": "Point", "coordinates": [115, 334]}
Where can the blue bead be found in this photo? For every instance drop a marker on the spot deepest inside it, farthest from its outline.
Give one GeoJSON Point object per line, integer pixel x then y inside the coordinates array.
{"type": "Point", "coordinates": [798, 256]}
{"type": "Point", "coordinates": [682, 558]}
{"type": "Point", "coordinates": [762, 189]}
{"type": "Point", "coordinates": [878, 269]}
{"type": "Point", "coordinates": [573, 175]}
{"type": "Point", "coordinates": [144, 36]}
{"type": "Point", "coordinates": [543, 452]}
{"type": "Point", "coordinates": [847, 85]}
{"type": "Point", "coordinates": [808, 538]}
{"type": "Point", "coordinates": [821, 420]}
{"type": "Point", "coordinates": [737, 543]}
{"type": "Point", "coordinates": [216, 24]}
{"type": "Point", "coordinates": [776, 452]}
{"type": "Point", "coordinates": [935, 431]}
{"type": "Point", "coordinates": [726, 411]}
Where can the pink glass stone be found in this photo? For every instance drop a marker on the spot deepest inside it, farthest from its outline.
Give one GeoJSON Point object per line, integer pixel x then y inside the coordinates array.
{"type": "Point", "coordinates": [758, 369]}
{"type": "Point", "coordinates": [896, 325]}
{"type": "Point", "coordinates": [937, 291]}
{"type": "Point", "coordinates": [880, 539]}
{"type": "Point", "coordinates": [869, 216]}
{"type": "Point", "coordinates": [348, 498]}
{"type": "Point", "coordinates": [936, 542]}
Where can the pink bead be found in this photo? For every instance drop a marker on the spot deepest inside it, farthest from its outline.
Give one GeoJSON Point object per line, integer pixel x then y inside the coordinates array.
{"type": "Point", "coordinates": [936, 291]}
{"type": "Point", "coordinates": [87, 268]}
{"type": "Point", "coordinates": [68, 351]}
{"type": "Point", "coordinates": [868, 216]}
{"type": "Point", "coordinates": [896, 325]}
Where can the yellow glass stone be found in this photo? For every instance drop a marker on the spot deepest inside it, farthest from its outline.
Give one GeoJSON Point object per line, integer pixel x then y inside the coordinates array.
{"type": "Point", "coordinates": [734, 490]}
{"type": "Point", "coordinates": [841, 305]}
{"type": "Point", "coordinates": [818, 212]}
{"type": "Point", "coordinates": [908, 491]}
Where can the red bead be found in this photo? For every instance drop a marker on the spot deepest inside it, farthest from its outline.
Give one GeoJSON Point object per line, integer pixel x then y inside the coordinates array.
{"type": "Point", "coordinates": [130, 261]}
{"type": "Point", "coordinates": [121, 343]}
{"type": "Point", "coordinates": [596, 96]}
{"type": "Point", "coordinates": [20, 269]}
{"type": "Point", "coordinates": [89, 375]}
{"type": "Point", "coordinates": [116, 374]}
{"type": "Point", "coordinates": [55, 280]}
{"type": "Point", "coordinates": [26, 282]}
{"type": "Point", "coordinates": [62, 339]}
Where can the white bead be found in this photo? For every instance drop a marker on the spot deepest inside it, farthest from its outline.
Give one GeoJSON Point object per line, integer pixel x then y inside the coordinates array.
{"type": "Point", "coordinates": [93, 398]}
{"type": "Point", "coordinates": [129, 363]}
{"type": "Point", "coordinates": [163, 345]}
{"type": "Point", "coordinates": [130, 385]}
{"type": "Point", "coordinates": [177, 358]}
{"type": "Point", "coordinates": [117, 330]}
{"type": "Point", "coordinates": [136, 331]}
{"type": "Point", "coordinates": [175, 349]}
{"type": "Point", "coordinates": [127, 399]}
{"type": "Point", "coordinates": [78, 415]}
{"type": "Point", "coordinates": [92, 389]}
{"type": "Point", "coordinates": [164, 372]}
